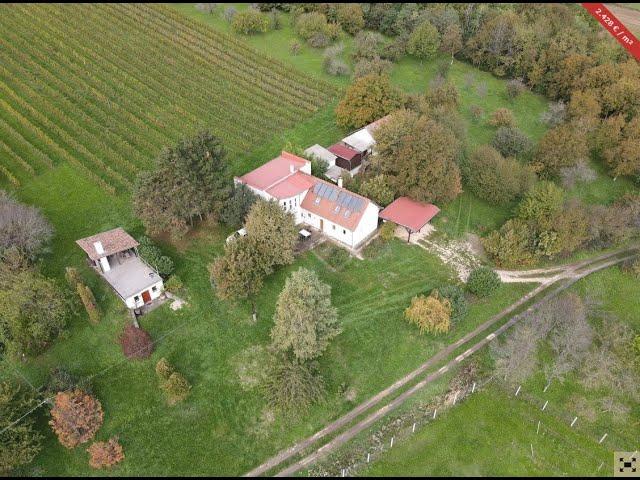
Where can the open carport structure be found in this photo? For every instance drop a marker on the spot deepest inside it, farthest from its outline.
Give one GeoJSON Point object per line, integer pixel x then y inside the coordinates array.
{"type": "Point", "coordinates": [410, 214]}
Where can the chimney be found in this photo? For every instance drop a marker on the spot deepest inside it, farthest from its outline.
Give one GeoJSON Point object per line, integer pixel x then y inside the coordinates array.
{"type": "Point", "coordinates": [292, 168]}
{"type": "Point", "coordinates": [98, 247]}
{"type": "Point", "coordinates": [340, 182]}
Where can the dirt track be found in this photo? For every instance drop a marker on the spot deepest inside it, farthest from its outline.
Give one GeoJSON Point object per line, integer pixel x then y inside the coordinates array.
{"type": "Point", "coordinates": [572, 273]}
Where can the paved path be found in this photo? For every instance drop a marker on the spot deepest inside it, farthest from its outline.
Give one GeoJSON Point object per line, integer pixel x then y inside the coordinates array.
{"type": "Point", "coordinates": [572, 273]}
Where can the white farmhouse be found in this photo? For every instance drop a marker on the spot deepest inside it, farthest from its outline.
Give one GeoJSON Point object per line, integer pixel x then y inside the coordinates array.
{"type": "Point", "coordinates": [114, 255]}
{"type": "Point", "coordinates": [336, 212]}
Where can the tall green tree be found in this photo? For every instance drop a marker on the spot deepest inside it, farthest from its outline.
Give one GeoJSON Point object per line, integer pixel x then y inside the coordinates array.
{"type": "Point", "coordinates": [238, 205]}
{"type": "Point", "coordinates": [274, 232]}
{"type": "Point", "coordinates": [187, 181]}
{"type": "Point", "coordinates": [418, 157]}
{"type": "Point", "coordinates": [305, 320]}
{"type": "Point", "coordinates": [33, 310]}
{"type": "Point", "coordinates": [562, 146]}
{"type": "Point", "coordinates": [424, 41]}
{"type": "Point", "coordinates": [20, 442]}
{"type": "Point", "coordinates": [367, 99]}
{"type": "Point", "coordinates": [239, 273]}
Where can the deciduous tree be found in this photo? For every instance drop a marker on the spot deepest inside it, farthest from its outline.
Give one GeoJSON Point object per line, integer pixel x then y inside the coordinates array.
{"type": "Point", "coordinates": [367, 99]}
{"type": "Point", "coordinates": [418, 156]}
{"type": "Point", "coordinates": [20, 442]}
{"type": "Point", "coordinates": [33, 310]}
{"type": "Point", "coordinates": [22, 227]}
{"type": "Point", "coordinates": [274, 232]}
{"type": "Point", "coordinates": [304, 321]}
{"type": "Point", "coordinates": [76, 416]}
{"type": "Point", "coordinates": [424, 41]}
{"type": "Point", "coordinates": [187, 181]}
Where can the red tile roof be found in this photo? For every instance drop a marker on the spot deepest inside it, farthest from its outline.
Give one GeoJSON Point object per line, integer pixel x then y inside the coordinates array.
{"type": "Point", "coordinates": [113, 241]}
{"type": "Point", "coordinates": [326, 208]}
{"type": "Point", "coordinates": [291, 186]}
{"type": "Point", "coordinates": [273, 171]}
{"type": "Point", "coordinates": [343, 151]}
{"type": "Point", "coordinates": [409, 213]}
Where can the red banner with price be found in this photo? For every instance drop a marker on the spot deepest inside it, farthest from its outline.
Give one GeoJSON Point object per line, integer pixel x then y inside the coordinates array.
{"type": "Point", "coordinates": [615, 27]}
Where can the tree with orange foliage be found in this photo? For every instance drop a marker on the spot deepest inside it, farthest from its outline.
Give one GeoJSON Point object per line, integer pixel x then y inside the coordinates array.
{"type": "Point", "coordinates": [105, 454]}
{"type": "Point", "coordinates": [75, 417]}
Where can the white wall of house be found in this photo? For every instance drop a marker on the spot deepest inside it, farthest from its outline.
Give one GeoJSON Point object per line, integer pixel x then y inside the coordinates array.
{"type": "Point", "coordinates": [135, 301]}
{"type": "Point", "coordinates": [104, 262]}
{"type": "Point", "coordinates": [292, 205]}
{"type": "Point", "coordinates": [368, 224]}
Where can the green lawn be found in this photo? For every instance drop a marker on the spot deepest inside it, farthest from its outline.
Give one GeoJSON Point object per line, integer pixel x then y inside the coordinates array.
{"type": "Point", "coordinates": [219, 429]}
{"type": "Point", "coordinates": [491, 433]}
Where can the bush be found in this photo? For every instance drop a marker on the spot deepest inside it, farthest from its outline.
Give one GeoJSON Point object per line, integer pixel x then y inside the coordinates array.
{"type": "Point", "coordinates": [229, 13]}
{"type": "Point", "coordinates": [373, 66]}
{"type": "Point", "coordinates": [136, 343]}
{"type": "Point", "coordinates": [350, 17]}
{"type": "Point", "coordinates": [457, 299]}
{"type": "Point", "coordinates": [502, 117]}
{"type": "Point", "coordinates": [476, 112]}
{"type": "Point", "coordinates": [72, 276]}
{"type": "Point", "coordinates": [331, 62]}
{"type": "Point", "coordinates": [61, 380]}
{"type": "Point", "coordinates": [511, 142]}
{"type": "Point", "coordinates": [172, 383]}
{"type": "Point", "coordinates": [431, 314]}
{"type": "Point", "coordinates": [515, 87]}
{"type": "Point", "coordinates": [89, 302]}
{"type": "Point", "coordinates": [308, 25]}
{"type": "Point", "coordinates": [105, 454]}
{"type": "Point", "coordinates": [295, 47]}
{"type": "Point", "coordinates": [151, 254]}
{"type": "Point", "coordinates": [174, 284]}
{"type": "Point", "coordinates": [483, 281]}
{"type": "Point", "coordinates": [555, 114]}
{"type": "Point", "coordinates": [497, 179]}
{"type": "Point", "coordinates": [76, 416]}
{"type": "Point", "coordinates": [250, 21]}
{"type": "Point", "coordinates": [512, 245]}
{"type": "Point", "coordinates": [319, 40]}
{"type": "Point", "coordinates": [368, 45]}
{"type": "Point", "coordinates": [388, 231]}
{"type": "Point", "coordinates": [337, 257]}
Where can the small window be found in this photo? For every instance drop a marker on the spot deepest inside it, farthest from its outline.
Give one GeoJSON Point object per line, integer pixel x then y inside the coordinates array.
{"type": "Point", "coordinates": [344, 232]}
{"type": "Point", "coordinates": [154, 289]}
{"type": "Point", "coordinates": [317, 201]}
{"type": "Point", "coordinates": [334, 227]}
{"type": "Point", "coordinates": [136, 298]}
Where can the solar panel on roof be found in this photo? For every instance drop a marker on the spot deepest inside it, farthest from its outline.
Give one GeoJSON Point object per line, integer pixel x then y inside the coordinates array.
{"type": "Point", "coordinates": [358, 204]}
{"type": "Point", "coordinates": [316, 187]}
{"type": "Point", "coordinates": [334, 195]}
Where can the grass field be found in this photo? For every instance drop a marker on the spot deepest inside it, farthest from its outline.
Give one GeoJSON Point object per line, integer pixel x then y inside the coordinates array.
{"type": "Point", "coordinates": [93, 104]}
{"type": "Point", "coordinates": [127, 80]}
{"type": "Point", "coordinates": [492, 433]}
